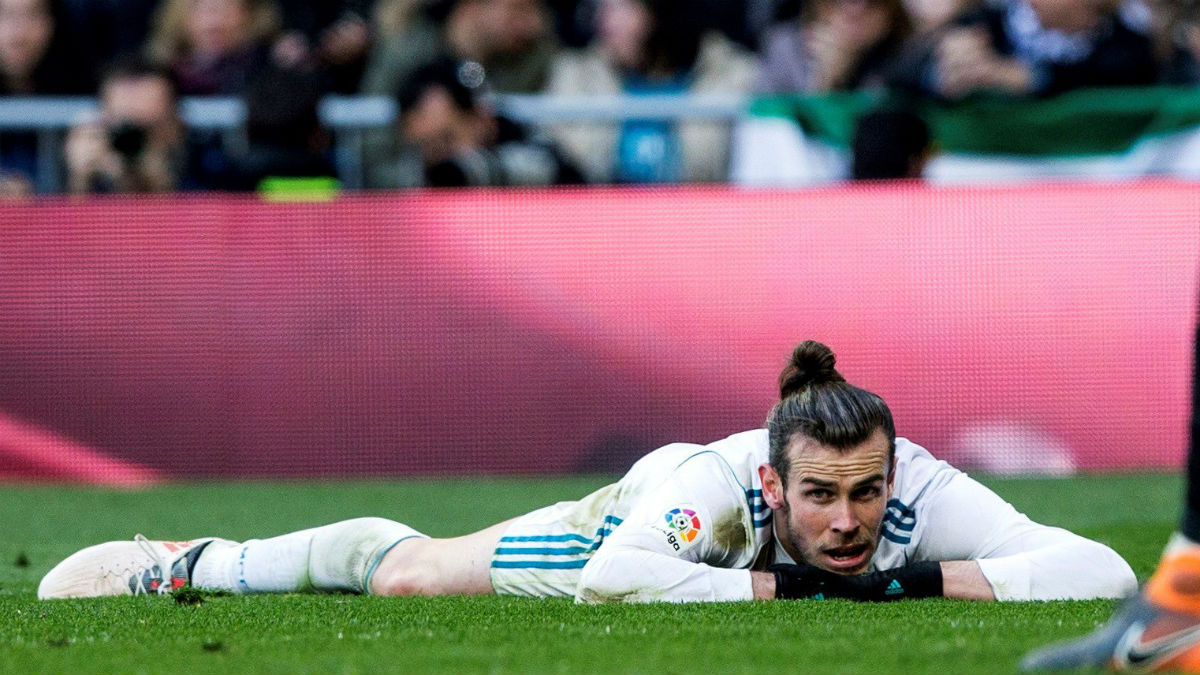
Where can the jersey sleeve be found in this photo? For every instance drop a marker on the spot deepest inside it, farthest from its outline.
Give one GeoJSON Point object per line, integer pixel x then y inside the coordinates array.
{"type": "Point", "coordinates": [1021, 559]}
{"type": "Point", "coordinates": [682, 542]}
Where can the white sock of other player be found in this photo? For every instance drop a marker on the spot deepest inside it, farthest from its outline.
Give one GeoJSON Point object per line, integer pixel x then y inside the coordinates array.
{"type": "Point", "coordinates": [337, 557]}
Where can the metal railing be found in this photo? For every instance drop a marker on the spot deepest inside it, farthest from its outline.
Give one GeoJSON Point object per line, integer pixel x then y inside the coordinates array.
{"type": "Point", "coordinates": [350, 118]}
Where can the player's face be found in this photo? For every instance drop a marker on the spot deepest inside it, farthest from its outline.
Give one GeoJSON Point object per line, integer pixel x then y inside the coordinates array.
{"type": "Point", "coordinates": [831, 511]}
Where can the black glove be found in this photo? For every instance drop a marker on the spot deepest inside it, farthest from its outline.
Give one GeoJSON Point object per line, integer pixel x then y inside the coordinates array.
{"type": "Point", "coordinates": [920, 580]}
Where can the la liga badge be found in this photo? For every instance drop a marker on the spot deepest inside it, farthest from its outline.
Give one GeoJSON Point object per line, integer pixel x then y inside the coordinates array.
{"type": "Point", "coordinates": [682, 527]}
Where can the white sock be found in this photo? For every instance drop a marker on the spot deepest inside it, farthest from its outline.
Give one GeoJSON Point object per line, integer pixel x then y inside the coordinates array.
{"type": "Point", "coordinates": [337, 557]}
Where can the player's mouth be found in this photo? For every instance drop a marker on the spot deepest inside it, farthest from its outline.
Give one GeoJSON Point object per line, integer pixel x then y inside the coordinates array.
{"type": "Point", "coordinates": [846, 558]}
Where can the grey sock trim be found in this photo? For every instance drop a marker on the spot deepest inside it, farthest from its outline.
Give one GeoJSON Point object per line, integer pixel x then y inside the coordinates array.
{"type": "Point", "coordinates": [379, 559]}
{"type": "Point", "coordinates": [192, 556]}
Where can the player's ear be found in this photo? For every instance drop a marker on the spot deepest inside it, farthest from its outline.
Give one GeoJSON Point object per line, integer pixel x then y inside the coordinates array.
{"type": "Point", "coordinates": [772, 486]}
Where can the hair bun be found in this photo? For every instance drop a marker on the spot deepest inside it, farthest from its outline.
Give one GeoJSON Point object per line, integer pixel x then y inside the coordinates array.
{"type": "Point", "coordinates": [812, 364]}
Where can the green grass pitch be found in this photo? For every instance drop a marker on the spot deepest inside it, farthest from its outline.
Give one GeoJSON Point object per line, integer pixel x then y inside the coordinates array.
{"type": "Point", "coordinates": [331, 634]}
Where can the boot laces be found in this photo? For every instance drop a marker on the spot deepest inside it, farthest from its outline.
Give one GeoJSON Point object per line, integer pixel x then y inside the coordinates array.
{"type": "Point", "coordinates": [161, 564]}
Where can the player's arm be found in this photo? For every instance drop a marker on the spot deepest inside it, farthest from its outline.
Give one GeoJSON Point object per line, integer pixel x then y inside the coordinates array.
{"type": "Point", "coordinates": [679, 544]}
{"type": "Point", "coordinates": [638, 575]}
{"type": "Point", "coordinates": [964, 580]}
{"type": "Point", "coordinates": [988, 542]}
{"type": "Point", "coordinates": [952, 579]}
{"type": "Point", "coordinates": [975, 546]}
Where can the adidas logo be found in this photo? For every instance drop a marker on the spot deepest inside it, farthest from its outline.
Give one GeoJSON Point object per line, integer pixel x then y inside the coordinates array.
{"type": "Point", "coordinates": [894, 588]}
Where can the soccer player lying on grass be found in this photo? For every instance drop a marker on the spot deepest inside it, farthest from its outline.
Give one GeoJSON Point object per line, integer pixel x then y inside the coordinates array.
{"type": "Point", "coordinates": [825, 502]}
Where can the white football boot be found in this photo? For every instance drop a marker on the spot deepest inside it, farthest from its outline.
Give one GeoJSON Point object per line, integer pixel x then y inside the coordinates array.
{"type": "Point", "coordinates": [133, 567]}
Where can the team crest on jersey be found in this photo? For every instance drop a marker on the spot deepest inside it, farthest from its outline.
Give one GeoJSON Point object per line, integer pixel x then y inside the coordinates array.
{"type": "Point", "coordinates": [682, 527]}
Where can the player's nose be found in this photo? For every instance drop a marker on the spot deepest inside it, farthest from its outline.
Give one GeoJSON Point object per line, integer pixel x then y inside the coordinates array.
{"type": "Point", "coordinates": [844, 520]}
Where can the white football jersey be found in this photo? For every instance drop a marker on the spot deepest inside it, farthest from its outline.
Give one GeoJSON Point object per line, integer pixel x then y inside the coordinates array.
{"type": "Point", "coordinates": [688, 522]}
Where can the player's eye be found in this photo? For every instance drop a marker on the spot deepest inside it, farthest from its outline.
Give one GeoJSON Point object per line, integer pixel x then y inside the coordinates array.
{"type": "Point", "coordinates": [819, 494]}
{"type": "Point", "coordinates": [869, 492]}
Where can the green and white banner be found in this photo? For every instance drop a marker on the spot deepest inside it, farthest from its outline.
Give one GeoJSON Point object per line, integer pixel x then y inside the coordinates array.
{"type": "Point", "coordinates": [1115, 133]}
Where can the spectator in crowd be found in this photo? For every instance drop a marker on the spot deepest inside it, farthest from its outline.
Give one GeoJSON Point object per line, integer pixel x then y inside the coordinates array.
{"type": "Point", "coordinates": [33, 62]}
{"type": "Point", "coordinates": [833, 45]}
{"type": "Point", "coordinates": [738, 20]}
{"type": "Point", "coordinates": [14, 185]}
{"type": "Point", "coordinates": [283, 131]}
{"type": "Point", "coordinates": [137, 144]}
{"type": "Point", "coordinates": [332, 37]}
{"type": "Point", "coordinates": [890, 144]}
{"type": "Point", "coordinates": [392, 17]}
{"type": "Point", "coordinates": [102, 30]}
{"type": "Point", "coordinates": [510, 39]}
{"type": "Point", "coordinates": [453, 140]}
{"type": "Point", "coordinates": [647, 47]}
{"type": "Point", "coordinates": [213, 47]}
{"type": "Point", "coordinates": [1035, 47]}
{"type": "Point", "coordinates": [735, 19]}
{"type": "Point", "coordinates": [1177, 24]}
{"type": "Point", "coordinates": [929, 16]}
{"type": "Point", "coordinates": [574, 21]}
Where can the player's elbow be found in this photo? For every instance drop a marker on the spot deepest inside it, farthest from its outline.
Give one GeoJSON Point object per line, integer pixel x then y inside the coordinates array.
{"type": "Point", "coordinates": [1097, 572]}
{"type": "Point", "coordinates": [1121, 582]}
{"type": "Point", "coordinates": [604, 579]}
{"type": "Point", "coordinates": [1074, 569]}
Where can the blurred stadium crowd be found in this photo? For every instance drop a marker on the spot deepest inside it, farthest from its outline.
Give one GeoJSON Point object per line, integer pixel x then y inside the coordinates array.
{"type": "Point", "coordinates": [440, 60]}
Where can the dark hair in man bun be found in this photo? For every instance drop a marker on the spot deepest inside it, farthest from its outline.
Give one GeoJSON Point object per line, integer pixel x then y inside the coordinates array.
{"type": "Point", "coordinates": [812, 363]}
{"type": "Point", "coordinates": [818, 403]}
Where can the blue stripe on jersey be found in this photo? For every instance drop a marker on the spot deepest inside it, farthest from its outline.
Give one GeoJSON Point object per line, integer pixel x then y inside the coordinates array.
{"type": "Point", "coordinates": [903, 510]}
{"type": "Point", "coordinates": [544, 551]}
{"type": "Point", "coordinates": [603, 531]}
{"type": "Point", "coordinates": [539, 564]}
{"type": "Point", "coordinates": [601, 534]}
{"type": "Point", "coordinates": [549, 537]}
{"type": "Point", "coordinates": [898, 522]}
{"type": "Point", "coordinates": [760, 512]}
{"type": "Point", "coordinates": [563, 538]}
{"type": "Point", "coordinates": [900, 515]}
